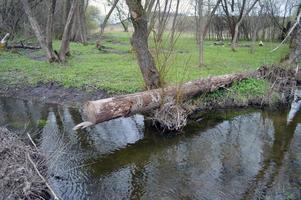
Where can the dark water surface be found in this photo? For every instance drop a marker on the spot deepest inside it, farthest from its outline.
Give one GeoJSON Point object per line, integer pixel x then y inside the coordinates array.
{"type": "Point", "coordinates": [244, 154]}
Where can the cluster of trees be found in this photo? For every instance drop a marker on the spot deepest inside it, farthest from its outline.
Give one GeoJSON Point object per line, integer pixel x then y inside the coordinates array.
{"type": "Point", "coordinates": [67, 20]}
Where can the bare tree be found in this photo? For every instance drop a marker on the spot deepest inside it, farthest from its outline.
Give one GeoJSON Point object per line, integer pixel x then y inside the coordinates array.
{"type": "Point", "coordinates": [105, 21]}
{"type": "Point", "coordinates": [139, 42]}
{"type": "Point", "coordinates": [279, 13]}
{"type": "Point", "coordinates": [163, 16]}
{"type": "Point", "coordinates": [257, 22]}
{"type": "Point", "coordinates": [233, 21]}
{"type": "Point", "coordinates": [66, 35]}
{"type": "Point", "coordinates": [174, 22]}
{"type": "Point", "coordinates": [203, 23]}
{"type": "Point", "coordinates": [37, 29]}
{"type": "Point", "coordinates": [79, 29]}
{"type": "Point", "coordinates": [46, 41]}
{"type": "Point", "coordinates": [123, 16]}
{"type": "Point", "coordinates": [295, 55]}
{"type": "Point", "coordinates": [150, 7]}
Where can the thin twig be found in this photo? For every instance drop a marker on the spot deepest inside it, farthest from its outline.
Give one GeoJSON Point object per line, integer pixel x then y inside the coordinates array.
{"type": "Point", "coordinates": [32, 142]}
{"type": "Point", "coordinates": [42, 177]}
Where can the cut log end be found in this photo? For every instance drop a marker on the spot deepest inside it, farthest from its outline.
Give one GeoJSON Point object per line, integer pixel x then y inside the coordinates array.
{"type": "Point", "coordinates": [90, 112]}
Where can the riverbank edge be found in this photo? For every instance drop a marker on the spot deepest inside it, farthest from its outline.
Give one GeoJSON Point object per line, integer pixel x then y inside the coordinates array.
{"type": "Point", "coordinates": [54, 93]}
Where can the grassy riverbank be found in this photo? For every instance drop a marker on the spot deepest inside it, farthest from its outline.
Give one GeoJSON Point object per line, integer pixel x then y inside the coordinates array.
{"type": "Point", "coordinates": [115, 69]}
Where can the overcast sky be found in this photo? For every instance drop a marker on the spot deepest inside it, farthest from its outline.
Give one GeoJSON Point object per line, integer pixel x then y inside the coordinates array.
{"type": "Point", "coordinates": [103, 6]}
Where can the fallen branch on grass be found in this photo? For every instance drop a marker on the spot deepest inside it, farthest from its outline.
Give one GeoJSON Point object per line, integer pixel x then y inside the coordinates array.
{"type": "Point", "coordinates": [22, 46]}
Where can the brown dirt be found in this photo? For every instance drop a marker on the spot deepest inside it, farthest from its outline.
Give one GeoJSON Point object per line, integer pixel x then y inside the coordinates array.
{"type": "Point", "coordinates": [52, 93]}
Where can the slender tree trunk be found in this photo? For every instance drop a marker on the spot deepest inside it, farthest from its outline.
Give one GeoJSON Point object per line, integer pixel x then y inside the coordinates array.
{"type": "Point", "coordinates": [174, 23]}
{"type": "Point", "coordinates": [203, 28]}
{"type": "Point", "coordinates": [234, 39]}
{"type": "Point", "coordinates": [151, 14]}
{"type": "Point", "coordinates": [78, 30]}
{"type": "Point", "coordinates": [243, 14]}
{"type": "Point", "coordinates": [162, 19]}
{"type": "Point", "coordinates": [66, 35]}
{"type": "Point", "coordinates": [124, 25]}
{"type": "Point", "coordinates": [295, 55]}
{"type": "Point", "coordinates": [37, 29]}
{"type": "Point", "coordinates": [254, 36]}
{"type": "Point", "coordinates": [201, 32]}
{"type": "Point", "coordinates": [105, 21]}
{"type": "Point", "coordinates": [49, 30]}
{"type": "Point", "coordinates": [139, 42]}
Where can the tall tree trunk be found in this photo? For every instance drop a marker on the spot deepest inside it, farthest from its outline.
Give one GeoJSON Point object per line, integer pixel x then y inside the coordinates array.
{"type": "Point", "coordinates": [105, 21]}
{"type": "Point", "coordinates": [66, 35]}
{"type": "Point", "coordinates": [201, 31]}
{"type": "Point", "coordinates": [204, 26]}
{"type": "Point", "coordinates": [174, 23]}
{"type": "Point", "coordinates": [139, 42]}
{"type": "Point", "coordinates": [37, 29]}
{"type": "Point", "coordinates": [242, 16]}
{"type": "Point", "coordinates": [49, 30]}
{"type": "Point", "coordinates": [295, 55]}
{"type": "Point", "coordinates": [78, 30]}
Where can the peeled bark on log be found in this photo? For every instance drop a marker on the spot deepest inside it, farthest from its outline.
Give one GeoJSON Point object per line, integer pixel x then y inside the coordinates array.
{"type": "Point", "coordinates": [123, 106]}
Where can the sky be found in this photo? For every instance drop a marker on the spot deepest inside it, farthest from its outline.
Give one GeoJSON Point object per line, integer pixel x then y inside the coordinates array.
{"type": "Point", "coordinates": [103, 6]}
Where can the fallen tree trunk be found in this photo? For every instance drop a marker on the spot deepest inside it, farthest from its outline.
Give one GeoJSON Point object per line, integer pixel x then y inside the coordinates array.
{"type": "Point", "coordinates": [22, 46]}
{"type": "Point", "coordinates": [123, 106]}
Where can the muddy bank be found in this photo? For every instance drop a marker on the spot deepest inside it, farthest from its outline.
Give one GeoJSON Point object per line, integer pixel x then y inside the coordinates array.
{"type": "Point", "coordinates": [19, 178]}
{"type": "Point", "coordinates": [282, 83]}
{"type": "Point", "coordinates": [51, 93]}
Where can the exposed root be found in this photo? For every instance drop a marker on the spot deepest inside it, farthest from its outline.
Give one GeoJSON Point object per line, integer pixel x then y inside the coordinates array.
{"type": "Point", "coordinates": [171, 116]}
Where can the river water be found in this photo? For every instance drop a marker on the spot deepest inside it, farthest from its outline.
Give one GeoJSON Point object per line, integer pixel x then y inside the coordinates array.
{"type": "Point", "coordinates": [232, 154]}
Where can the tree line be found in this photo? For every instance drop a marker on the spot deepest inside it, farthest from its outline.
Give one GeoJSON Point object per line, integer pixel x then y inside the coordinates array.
{"type": "Point", "coordinates": [219, 19]}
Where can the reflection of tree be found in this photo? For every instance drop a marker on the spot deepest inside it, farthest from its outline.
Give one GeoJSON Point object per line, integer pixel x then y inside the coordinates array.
{"type": "Point", "coordinates": [141, 151]}
{"type": "Point", "coordinates": [283, 136]}
{"type": "Point", "coordinates": [139, 177]}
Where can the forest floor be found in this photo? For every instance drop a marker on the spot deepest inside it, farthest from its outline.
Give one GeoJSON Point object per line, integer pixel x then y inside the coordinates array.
{"type": "Point", "coordinates": [91, 72]}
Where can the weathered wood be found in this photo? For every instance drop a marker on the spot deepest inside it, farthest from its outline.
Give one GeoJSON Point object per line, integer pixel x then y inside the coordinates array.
{"type": "Point", "coordinates": [3, 41]}
{"type": "Point", "coordinates": [23, 46]}
{"type": "Point", "coordinates": [122, 106]}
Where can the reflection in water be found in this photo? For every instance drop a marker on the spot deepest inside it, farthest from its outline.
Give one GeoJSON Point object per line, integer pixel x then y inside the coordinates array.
{"type": "Point", "coordinates": [244, 155]}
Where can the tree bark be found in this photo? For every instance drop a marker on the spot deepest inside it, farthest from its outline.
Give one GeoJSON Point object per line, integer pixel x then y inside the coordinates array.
{"type": "Point", "coordinates": [139, 42]}
{"type": "Point", "coordinates": [78, 30]}
{"type": "Point", "coordinates": [66, 35]}
{"type": "Point", "coordinates": [37, 29]}
{"type": "Point", "coordinates": [241, 18]}
{"type": "Point", "coordinates": [123, 106]}
{"type": "Point", "coordinates": [49, 30]}
{"type": "Point", "coordinates": [203, 27]}
{"type": "Point", "coordinates": [295, 54]}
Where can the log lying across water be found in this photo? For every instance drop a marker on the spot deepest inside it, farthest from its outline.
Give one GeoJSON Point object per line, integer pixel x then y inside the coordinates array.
{"type": "Point", "coordinates": [126, 105]}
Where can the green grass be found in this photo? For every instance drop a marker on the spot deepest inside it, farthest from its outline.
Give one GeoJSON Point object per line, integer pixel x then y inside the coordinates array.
{"type": "Point", "coordinates": [240, 93]}
{"type": "Point", "coordinates": [88, 68]}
